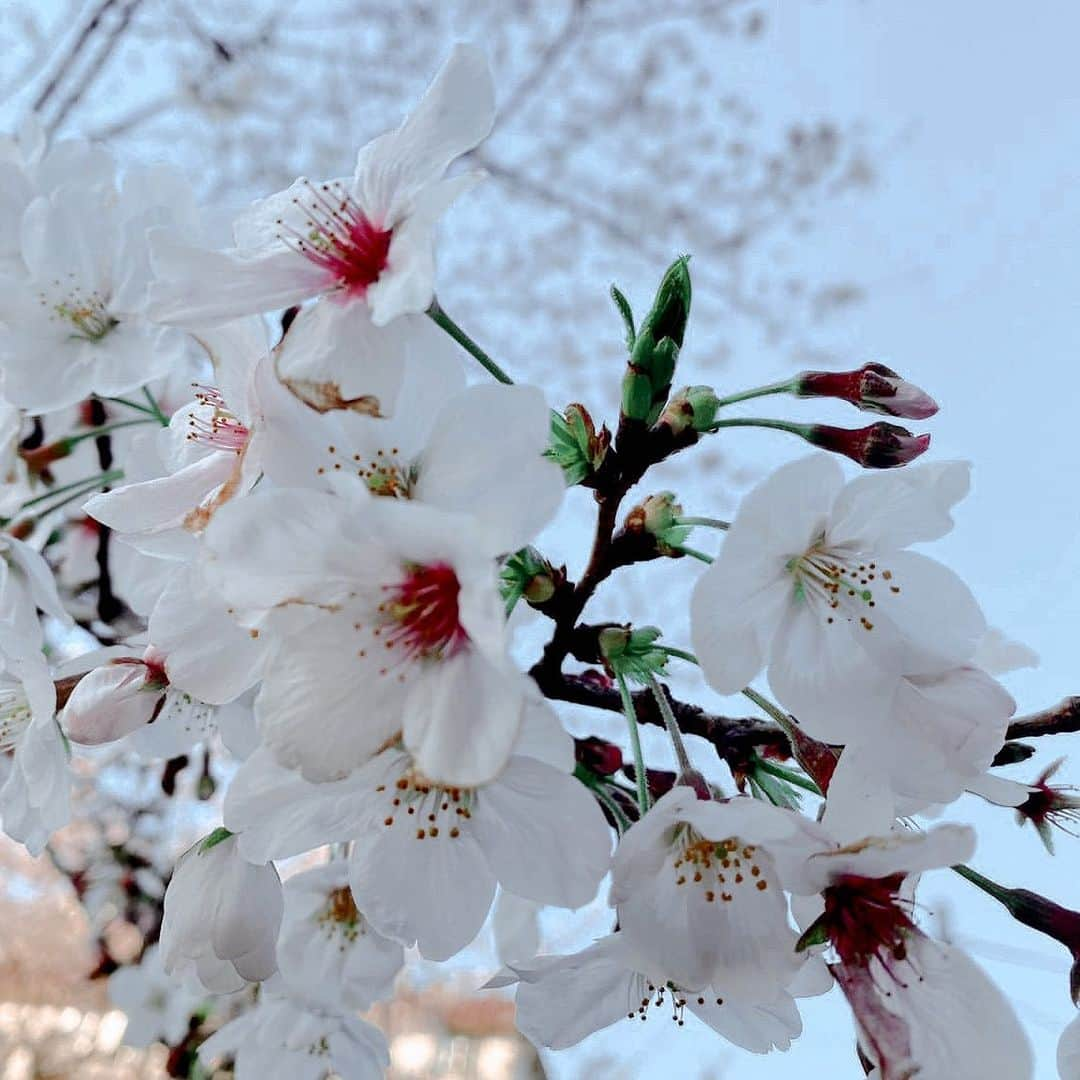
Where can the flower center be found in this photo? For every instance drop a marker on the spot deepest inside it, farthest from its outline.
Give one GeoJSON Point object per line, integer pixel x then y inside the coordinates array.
{"type": "Point", "coordinates": [340, 915]}
{"type": "Point", "coordinates": [422, 613]}
{"type": "Point", "coordinates": [86, 312]}
{"type": "Point", "coordinates": [220, 430]}
{"type": "Point", "coordinates": [340, 238]}
{"type": "Point", "coordinates": [434, 811]}
{"type": "Point", "coordinates": [865, 918]}
{"type": "Point", "coordinates": [15, 716]}
{"type": "Point", "coordinates": [721, 869]}
{"type": "Point", "coordinates": [385, 474]}
{"type": "Point", "coordinates": [848, 588]}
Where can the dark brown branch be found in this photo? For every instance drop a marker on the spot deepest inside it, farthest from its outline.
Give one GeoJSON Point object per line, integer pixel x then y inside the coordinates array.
{"type": "Point", "coordinates": [736, 739]}
{"type": "Point", "coordinates": [1063, 717]}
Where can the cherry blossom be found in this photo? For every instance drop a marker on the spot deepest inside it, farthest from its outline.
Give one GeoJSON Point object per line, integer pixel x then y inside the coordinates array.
{"type": "Point", "coordinates": [365, 238]}
{"type": "Point", "coordinates": [222, 915]}
{"type": "Point", "coordinates": [158, 1007]}
{"type": "Point", "coordinates": [814, 583]}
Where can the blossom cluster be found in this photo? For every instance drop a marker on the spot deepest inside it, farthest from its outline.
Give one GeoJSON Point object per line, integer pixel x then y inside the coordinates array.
{"type": "Point", "coordinates": [307, 549]}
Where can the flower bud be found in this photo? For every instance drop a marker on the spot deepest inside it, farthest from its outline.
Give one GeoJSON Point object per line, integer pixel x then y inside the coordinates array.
{"type": "Point", "coordinates": [872, 388]}
{"type": "Point", "coordinates": [658, 515]}
{"type": "Point", "coordinates": [598, 755]}
{"type": "Point", "coordinates": [528, 576]}
{"type": "Point", "coordinates": [691, 408]}
{"type": "Point", "coordinates": [632, 651]}
{"type": "Point", "coordinates": [576, 446]}
{"type": "Point", "coordinates": [115, 699]}
{"type": "Point", "coordinates": [879, 446]}
{"type": "Point", "coordinates": [40, 458]}
{"type": "Point", "coordinates": [647, 382]}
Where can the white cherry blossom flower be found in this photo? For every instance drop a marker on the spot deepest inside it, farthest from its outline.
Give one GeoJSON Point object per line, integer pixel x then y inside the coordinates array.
{"type": "Point", "coordinates": [27, 585]}
{"type": "Point", "coordinates": [158, 1007]}
{"type": "Point", "coordinates": [388, 603]}
{"type": "Point", "coordinates": [426, 857]}
{"type": "Point", "coordinates": [368, 238]}
{"type": "Point", "coordinates": [72, 323]}
{"type": "Point", "coordinates": [283, 1038]}
{"type": "Point", "coordinates": [222, 915]}
{"type": "Point", "coordinates": [1068, 1051]}
{"type": "Point", "coordinates": [698, 886]}
{"type": "Point", "coordinates": [35, 797]}
{"type": "Point", "coordinates": [814, 581]}
{"type": "Point", "coordinates": [327, 950]}
{"type": "Point", "coordinates": [919, 1005]}
{"type": "Point", "coordinates": [563, 999]}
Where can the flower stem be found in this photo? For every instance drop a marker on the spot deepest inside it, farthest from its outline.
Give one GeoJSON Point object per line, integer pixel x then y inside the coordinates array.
{"type": "Point", "coordinates": [682, 654]}
{"type": "Point", "coordinates": [155, 408]}
{"type": "Point", "coordinates": [87, 482]}
{"type": "Point", "coordinates": [672, 725]}
{"type": "Point", "coordinates": [635, 745]}
{"type": "Point", "coordinates": [96, 433]}
{"type": "Point", "coordinates": [802, 430]}
{"type": "Point", "coordinates": [441, 319]}
{"type": "Point", "coordinates": [991, 888]}
{"type": "Point", "coordinates": [774, 711]}
{"type": "Point", "coordinates": [130, 404]}
{"type": "Point", "coordinates": [693, 553]}
{"type": "Point", "coordinates": [707, 522]}
{"type": "Point", "coordinates": [758, 391]}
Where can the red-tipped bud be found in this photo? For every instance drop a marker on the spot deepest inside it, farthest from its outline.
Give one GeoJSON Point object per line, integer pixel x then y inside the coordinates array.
{"type": "Point", "coordinates": [873, 388]}
{"type": "Point", "coordinates": [598, 755]}
{"type": "Point", "coordinates": [40, 458]}
{"type": "Point", "coordinates": [879, 446]}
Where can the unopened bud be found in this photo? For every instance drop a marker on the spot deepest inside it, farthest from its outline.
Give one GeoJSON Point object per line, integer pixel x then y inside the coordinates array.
{"type": "Point", "coordinates": [691, 408]}
{"type": "Point", "coordinates": [529, 576]}
{"type": "Point", "coordinates": [879, 446]}
{"type": "Point", "coordinates": [116, 699]}
{"type": "Point", "coordinates": [873, 388]}
{"type": "Point", "coordinates": [41, 457]}
{"type": "Point", "coordinates": [576, 446]}
{"type": "Point", "coordinates": [658, 515]}
{"type": "Point", "coordinates": [598, 755]}
{"type": "Point", "coordinates": [632, 652]}
{"type": "Point", "coordinates": [647, 382]}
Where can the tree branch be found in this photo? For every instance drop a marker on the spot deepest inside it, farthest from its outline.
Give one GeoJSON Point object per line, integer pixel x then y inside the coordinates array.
{"type": "Point", "coordinates": [1061, 718]}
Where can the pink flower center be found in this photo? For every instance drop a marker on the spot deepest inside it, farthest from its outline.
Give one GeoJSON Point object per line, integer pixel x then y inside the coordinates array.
{"type": "Point", "coordinates": [339, 238]}
{"type": "Point", "coordinates": [865, 918]}
{"type": "Point", "coordinates": [423, 613]}
{"type": "Point", "coordinates": [221, 430]}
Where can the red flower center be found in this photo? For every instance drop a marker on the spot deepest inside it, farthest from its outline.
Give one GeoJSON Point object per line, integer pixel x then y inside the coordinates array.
{"type": "Point", "coordinates": [865, 918]}
{"type": "Point", "coordinates": [423, 611]}
{"type": "Point", "coordinates": [340, 238]}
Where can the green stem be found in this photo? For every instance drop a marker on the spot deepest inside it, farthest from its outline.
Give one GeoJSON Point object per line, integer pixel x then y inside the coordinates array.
{"type": "Point", "coordinates": [991, 888]}
{"type": "Point", "coordinates": [774, 711]}
{"type": "Point", "coordinates": [155, 408]}
{"type": "Point", "coordinates": [635, 745]}
{"type": "Point", "coordinates": [802, 430]}
{"type": "Point", "coordinates": [88, 482]}
{"type": "Point", "coordinates": [596, 786]}
{"type": "Point", "coordinates": [129, 404]}
{"type": "Point", "coordinates": [671, 724]}
{"type": "Point", "coordinates": [441, 319]}
{"type": "Point", "coordinates": [74, 440]}
{"type": "Point", "coordinates": [682, 654]}
{"type": "Point", "coordinates": [758, 391]}
{"type": "Point", "coordinates": [707, 522]}
{"type": "Point", "coordinates": [692, 552]}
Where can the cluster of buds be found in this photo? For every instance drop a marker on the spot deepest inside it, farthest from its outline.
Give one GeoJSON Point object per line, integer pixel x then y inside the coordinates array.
{"type": "Point", "coordinates": [632, 651]}
{"type": "Point", "coordinates": [655, 346]}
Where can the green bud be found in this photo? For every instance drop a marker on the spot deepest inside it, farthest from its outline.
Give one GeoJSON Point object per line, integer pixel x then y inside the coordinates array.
{"type": "Point", "coordinates": [527, 575]}
{"type": "Point", "coordinates": [693, 408]}
{"type": "Point", "coordinates": [576, 446]}
{"type": "Point", "coordinates": [627, 316]}
{"type": "Point", "coordinates": [656, 346]}
{"type": "Point", "coordinates": [658, 515]}
{"type": "Point", "coordinates": [632, 652]}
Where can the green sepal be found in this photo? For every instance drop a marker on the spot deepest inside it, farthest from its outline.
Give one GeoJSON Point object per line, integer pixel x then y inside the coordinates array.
{"type": "Point", "coordinates": [627, 316]}
{"type": "Point", "coordinates": [816, 934]}
{"type": "Point", "coordinates": [219, 835]}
